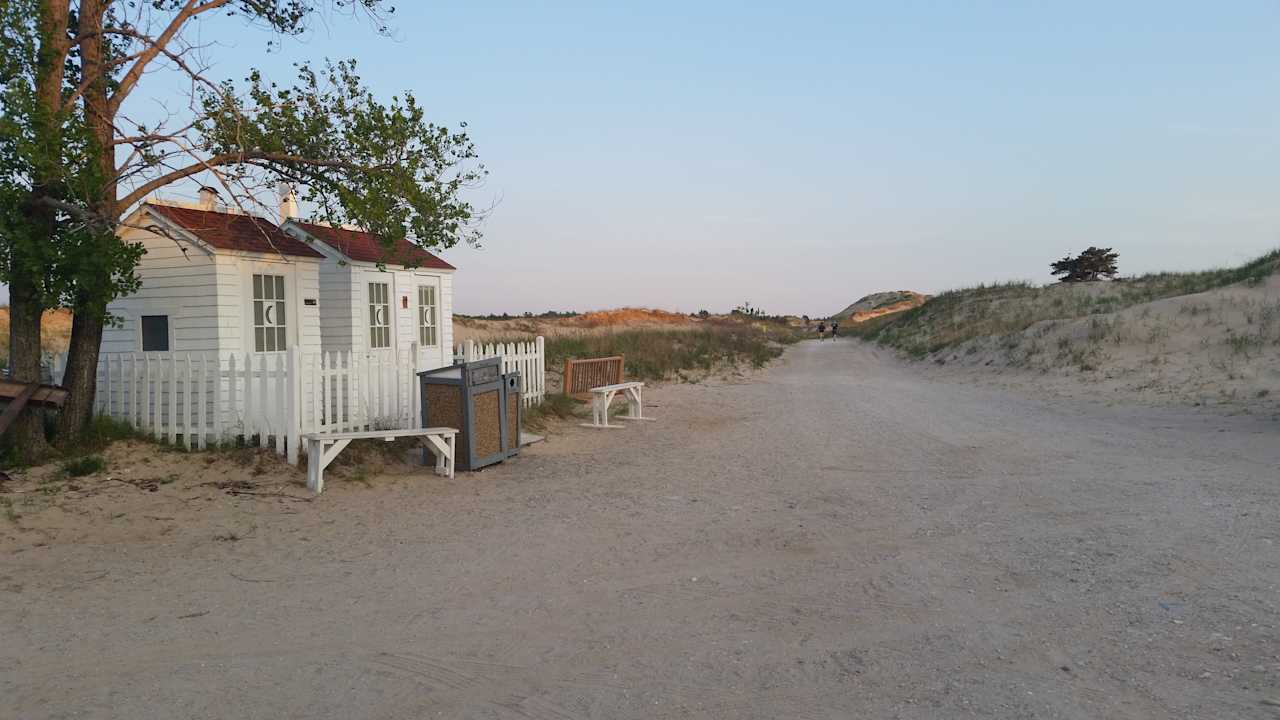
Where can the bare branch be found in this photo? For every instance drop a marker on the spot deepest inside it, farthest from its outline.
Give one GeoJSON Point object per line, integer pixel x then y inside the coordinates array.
{"type": "Point", "coordinates": [190, 10]}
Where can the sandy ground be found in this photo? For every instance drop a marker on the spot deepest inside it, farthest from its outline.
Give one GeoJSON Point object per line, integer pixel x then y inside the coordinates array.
{"type": "Point", "coordinates": [839, 537]}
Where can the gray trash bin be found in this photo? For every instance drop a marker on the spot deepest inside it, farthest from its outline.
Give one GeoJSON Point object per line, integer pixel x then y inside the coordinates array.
{"type": "Point", "coordinates": [479, 400]}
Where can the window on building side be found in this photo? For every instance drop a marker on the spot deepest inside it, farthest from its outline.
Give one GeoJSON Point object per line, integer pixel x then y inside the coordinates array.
{"type": "Point", "coordinates": [427, 315]}
{"type": "Point", "coordinates": [379, 316]}
{"type": "Point", "coordinates": [268, 313]}
{"type": "Point", "coordinates": [155, 333]}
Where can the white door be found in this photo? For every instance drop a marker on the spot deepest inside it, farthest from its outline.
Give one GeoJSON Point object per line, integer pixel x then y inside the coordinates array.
{"type": "Point", "coordinates": [270, 313]}
{"type": "Point", "coordinates": [381, 394]}
{"type": "Point", "coordinates": [428, 329]}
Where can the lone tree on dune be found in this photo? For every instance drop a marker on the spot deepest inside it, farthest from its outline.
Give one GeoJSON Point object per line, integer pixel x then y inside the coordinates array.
{"type": "Point", "coordinates": [81, 146]}
{"type": "Point", "coordinates": [1092, 264]}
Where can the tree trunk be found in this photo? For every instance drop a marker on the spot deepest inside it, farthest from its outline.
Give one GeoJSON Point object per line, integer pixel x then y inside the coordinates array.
{"type": "Point", "coordinates": [25, 309]}
{"type": "Point", "coordinates": [30, 251]}
{"type": "Point", "coordinates": [81, 378]}
{"type": "Point", "coordinates": [92, 293]}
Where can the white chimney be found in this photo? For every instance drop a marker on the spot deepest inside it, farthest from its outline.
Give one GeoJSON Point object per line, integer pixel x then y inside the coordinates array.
{"type": "Point", "coordinates": [288, 202]}
{"type": "Point", "coordinates": [208, 197]}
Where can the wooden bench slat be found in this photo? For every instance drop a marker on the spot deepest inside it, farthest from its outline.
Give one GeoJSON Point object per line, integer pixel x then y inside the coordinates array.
{"type": "Point", "coordinates": [369, 434]}
{"type": "Point", "coordinates": [616, 386]}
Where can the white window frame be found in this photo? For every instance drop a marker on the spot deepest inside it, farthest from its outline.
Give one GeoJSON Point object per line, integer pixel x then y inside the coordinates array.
{"type": "Point", "coordinates": [379, 297]}
{"type": "Point", "coordinates": [260, 312]}
{"type": "Point", "coordinates": [428, 315]}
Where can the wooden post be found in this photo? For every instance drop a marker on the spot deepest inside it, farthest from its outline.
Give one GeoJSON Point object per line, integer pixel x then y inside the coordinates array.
{"type": "Point", "coordinates": [106, 389]}
{"type": "Point", "coordinates": [232, 406]}
{"type": "Point", "coordinates": [186, 406]}
{"type": "Point", "coordinates": [317, 393]}
{"type": "Point", "coordinates": [263, 395]}
{"type": "Point", "coordinates": [540, 370]}
{"type": "Point", "coordinates": [280, 395]}
{"type": "Point", "coordinates": [146, 393]}
{"type": "Point", "coordinates": [344, 391]}
{"type": "Point", "coordinates": [217, 398]}
{"type": "Point", "coordinates": [204, 400]}
{"type": "Point", "coordinates": [293, 405]}
{"type": "Point", "coordinates": [173, 398]}
{"type": "Point", "coordinates": [157, 402]}
{"type": "Point", "coordinates": [415, 411]}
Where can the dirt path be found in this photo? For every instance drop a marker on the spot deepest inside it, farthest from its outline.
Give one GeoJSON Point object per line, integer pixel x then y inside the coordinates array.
{"type": "Point", "coordinates": [837, 538]}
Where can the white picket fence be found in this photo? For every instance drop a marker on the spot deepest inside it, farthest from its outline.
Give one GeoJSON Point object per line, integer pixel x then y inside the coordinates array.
{"type": "Point", "coordinates": [527, 358]}
{"type": "Point", "coordinates": [200, 399]}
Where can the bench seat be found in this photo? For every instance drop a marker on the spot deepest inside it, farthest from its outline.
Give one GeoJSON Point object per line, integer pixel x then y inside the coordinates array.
{"type": "Point", "coordinates": [322, 448]}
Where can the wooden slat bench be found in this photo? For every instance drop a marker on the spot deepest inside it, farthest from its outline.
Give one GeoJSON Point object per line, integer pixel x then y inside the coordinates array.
{"type": "Point", "coordinates": [580, 376]}
{"type": "Point", "coordinates": [21, 395]}
{"type": "Point", "coordinates": [602, 396]}
{"type": "Point", "coordinates": [322, 448]}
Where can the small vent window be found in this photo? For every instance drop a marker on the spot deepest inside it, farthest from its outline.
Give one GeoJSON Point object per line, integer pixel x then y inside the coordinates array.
{"type": "Point", "coordinates": [155, 333]}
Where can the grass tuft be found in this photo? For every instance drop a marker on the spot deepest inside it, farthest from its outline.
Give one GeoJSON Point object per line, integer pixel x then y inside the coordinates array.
{"type": "Point", "coordinates": [85, 465]}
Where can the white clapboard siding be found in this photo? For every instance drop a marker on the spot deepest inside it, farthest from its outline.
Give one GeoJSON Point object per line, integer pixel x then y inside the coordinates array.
{"type": "Point", "coordinates": [271, 399]}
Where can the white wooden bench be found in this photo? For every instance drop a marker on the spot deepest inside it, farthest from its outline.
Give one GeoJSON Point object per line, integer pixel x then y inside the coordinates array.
{"type": "Point", "coordinates": [602, 396]}
{"type": "Point", "coordinates": [322, 448]}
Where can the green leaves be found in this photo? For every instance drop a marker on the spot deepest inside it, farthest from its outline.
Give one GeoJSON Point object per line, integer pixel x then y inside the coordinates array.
{"type": "Point", "coordinates": [380, 166]}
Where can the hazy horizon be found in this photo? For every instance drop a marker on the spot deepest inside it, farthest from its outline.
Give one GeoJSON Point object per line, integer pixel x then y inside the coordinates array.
{"type": "Point", "coordinates": [798, 158]}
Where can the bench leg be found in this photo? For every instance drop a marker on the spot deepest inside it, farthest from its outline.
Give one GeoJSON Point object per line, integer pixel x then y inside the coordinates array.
{"type": "Point", "coordinates": [635, 405]}
{"type": "Point", "coordinates": [600, 403]}
{"type": "Point", "coordinates": [443, 449]}
{"type": "Point", "coordinates": [315, 473]}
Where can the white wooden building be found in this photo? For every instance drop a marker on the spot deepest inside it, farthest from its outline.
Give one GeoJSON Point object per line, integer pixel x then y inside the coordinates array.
{"type": "Point", "coordinates": [216, 280]}
{"type": "Point", "coordinates": [380, 300]}
{"type": "Point", "coordinates": [245, 329]}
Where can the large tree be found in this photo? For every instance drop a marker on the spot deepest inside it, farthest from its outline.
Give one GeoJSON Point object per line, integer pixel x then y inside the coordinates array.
{"type": "Point", "coordinates": [77, 159]}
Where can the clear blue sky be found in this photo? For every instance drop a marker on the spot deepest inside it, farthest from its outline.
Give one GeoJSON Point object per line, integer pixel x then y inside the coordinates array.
{"type": "Point", "coordinates": [696, 155]}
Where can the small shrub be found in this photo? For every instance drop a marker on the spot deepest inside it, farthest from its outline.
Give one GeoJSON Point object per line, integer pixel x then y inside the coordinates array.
{"type": "Point", "coordinates": [84, 465]}
{"type": "Point", "coordinates": [554, 405]}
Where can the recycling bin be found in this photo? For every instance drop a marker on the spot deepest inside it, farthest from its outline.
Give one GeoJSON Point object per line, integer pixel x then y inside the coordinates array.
{"type": "Point", "coordinates": [481, 402]}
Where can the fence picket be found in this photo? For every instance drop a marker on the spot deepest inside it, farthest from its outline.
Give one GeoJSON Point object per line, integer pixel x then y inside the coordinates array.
{"type": "Point", "coordinates": [203, 392]}
{"type": "Point", "coordinates": [279, 394]}
{"type": "Point", "coordinates": [231, 396]}
{"type": "Point", "coordinates": [157, 409]}
{"type": "Point", "coordinates": [217, 399]}
{"type": "Point", "coordinates": [293, 394]}
{"type": "Point", "coordinates": [250, 414]}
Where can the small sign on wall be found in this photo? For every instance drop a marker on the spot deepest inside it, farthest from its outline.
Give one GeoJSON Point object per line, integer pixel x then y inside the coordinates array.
{"type": "Point", "coordinates": [404, 301]}
{"type": "Point", "coordinates": [308, 301]}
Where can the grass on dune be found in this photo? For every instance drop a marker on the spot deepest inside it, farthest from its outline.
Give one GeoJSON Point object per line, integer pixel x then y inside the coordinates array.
{"type": "Point", "coordinates": [658, 354]}
{"type": "Point", "coordinates": [957, 316]}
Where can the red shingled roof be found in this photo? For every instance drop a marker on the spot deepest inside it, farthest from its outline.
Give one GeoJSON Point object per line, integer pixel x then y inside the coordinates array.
{"type": "Point", "coordinates": [233, 231]}
{"type": "Point", "coordinates": [366, 247]}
